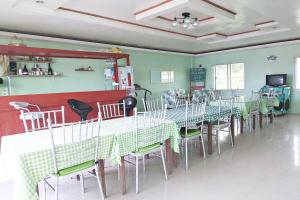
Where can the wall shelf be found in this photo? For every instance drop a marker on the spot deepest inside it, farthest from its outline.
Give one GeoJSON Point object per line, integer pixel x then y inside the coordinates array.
{"type": "Point", "coordinates": [27, 76]}
{"type": "Point", "coordinates": [31, 61]}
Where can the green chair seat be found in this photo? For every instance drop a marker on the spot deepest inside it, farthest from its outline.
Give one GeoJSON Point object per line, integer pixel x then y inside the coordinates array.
{"type": "Point", "coordinates": [148, 148]}
{"type": "Point", "coordinates": [76, 168]}
{"type": "Point", "coordinates": [190, 133]}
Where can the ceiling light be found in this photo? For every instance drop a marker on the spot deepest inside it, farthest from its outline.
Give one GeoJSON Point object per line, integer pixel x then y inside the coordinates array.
{"type": "Point", "coordinates": [175, 23]}
{"type": "Point", "coordinates": [195, 23]}
{"type": "Point", "coordinates": [186, 21]}
{"type": "Point", "coordinates": [39, 1]}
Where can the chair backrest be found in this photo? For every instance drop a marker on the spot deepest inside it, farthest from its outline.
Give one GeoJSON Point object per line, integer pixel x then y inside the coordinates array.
{"type": "Point", "coordinates": [34, 121]}
{"type": "Point", "coordinates": [74, 143]}
{"type": "Point", "coordinates": [225, 109]}
{"type": "Point", "coordinates": [111, 111]}
{"type": "Point", "coordinates": [150, 127]}
{"type": "Point", "coordinates": [194, 115]}
{"type": "Point", "coordinates": [200, 96]}
{"type": "Point", "coordinates": [152, 104]}
{"type": "Point", "coordinates": [180, 101]}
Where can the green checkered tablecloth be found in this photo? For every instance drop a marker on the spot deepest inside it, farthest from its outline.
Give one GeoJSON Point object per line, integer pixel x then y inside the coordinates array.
{"type": "Point", "coordinates": [265, 103]}
{"type": "Point", "coordinates": [117, 139]}
{"type": "Point", "coordinates": [246, 105]}
{"type": "Point", "coordinates": [211, 114]}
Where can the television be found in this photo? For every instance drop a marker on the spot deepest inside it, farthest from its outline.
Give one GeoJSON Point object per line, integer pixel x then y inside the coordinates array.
{"type": "Point", "coordinates": [276, 80]}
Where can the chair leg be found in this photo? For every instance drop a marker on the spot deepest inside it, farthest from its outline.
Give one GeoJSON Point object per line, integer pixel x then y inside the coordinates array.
{"type": "Point", "coordinates": [231, 139]}
{"type": "Point", "coordinates": [203, 147]}
{"type": "Point", "coordinates": [136, 174]}
{"type": "Point", "coordinates": [186, 154]}
{"type": "Point", "coordinates": [164, 163]}
{"type": "Point", "coordinates": [45, 196]}
{"type": "Point", "coordinates": [99, 182]}
{"type": "Point", "coordinates": [56, 188]}
{"type": "Point", "coordinates": [144, 167]}
{"type": "Point", "coordinates": [118, 173]}
{"type": "Point", "coordinates": [218, 142]}
{"type": "Point", "coordinates": [82, 183]}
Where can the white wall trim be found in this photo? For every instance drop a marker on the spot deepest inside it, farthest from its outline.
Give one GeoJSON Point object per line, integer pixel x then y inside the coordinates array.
{"type": "Point", "coordinates": [93, 44]}
{"type": "Point", "coordinates": [249, 48]}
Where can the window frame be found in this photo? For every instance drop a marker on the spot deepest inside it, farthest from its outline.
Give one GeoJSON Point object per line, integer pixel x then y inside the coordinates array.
{"type": "Point", "coordinates": [171, 77]}
{"type": "Point", "coordinates": [229, 76]}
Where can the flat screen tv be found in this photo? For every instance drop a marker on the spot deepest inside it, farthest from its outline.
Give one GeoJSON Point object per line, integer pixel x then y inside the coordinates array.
{"type": "Point", "coordinates": [276, 80]}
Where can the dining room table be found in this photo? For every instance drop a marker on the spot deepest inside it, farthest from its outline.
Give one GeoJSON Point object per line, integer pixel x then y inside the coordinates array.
{"type": "Point", "coordinates": [27, 156]}
{"type": "Point", "coordinates": [248, 104]}
{"type": "Point", "coordinates": [211, 115]}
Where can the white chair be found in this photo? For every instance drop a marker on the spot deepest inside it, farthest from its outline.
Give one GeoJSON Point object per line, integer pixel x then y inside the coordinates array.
{"type": "Point", "coordinates": [152, 104]}
{"type": "Point", "coordinates": [194, 117]}
{"type": "Point", "coordinates": [38, 119]}
{"type": "Point", "coordinates": [180, 101]}
{"type": "Point", "coordinates": [75, 148]}
{"type": "Point", "coordinates": [223, 123]}
{"type": "Point", "coordinates": [111, 111]}
{"type": "Point", "coordinates": [254, 106]}
{"type": "Point", "coordinates": [149, 142]}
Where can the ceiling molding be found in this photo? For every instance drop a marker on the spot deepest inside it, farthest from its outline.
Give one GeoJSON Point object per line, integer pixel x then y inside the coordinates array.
{"type": "Point", "coordinates": [212, 9]}
{"type": "Point", "coordinates": [151, 7]}
{"type": "Point", "coordinates": [220, 7]}
{"type": "Point", "coordinates": [183, 35]}
{"type": "Point", "coordinates": [100, 44]}
{"type": "Point", "coordinates": [250, 46]}
{"type": "Point", "coordinates": [249, 34]}
{"type": "Point", "coordinates": [160, 9]}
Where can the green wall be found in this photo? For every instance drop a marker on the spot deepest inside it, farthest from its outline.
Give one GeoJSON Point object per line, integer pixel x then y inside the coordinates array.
{"type": "Point", "coordinates": [257, 66]}
{"type": "Point", "coordinates": [72, 81]}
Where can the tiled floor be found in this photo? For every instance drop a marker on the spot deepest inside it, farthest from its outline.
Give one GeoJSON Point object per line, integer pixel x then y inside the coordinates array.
{"type": "Point", "coordinates": [263, 165]}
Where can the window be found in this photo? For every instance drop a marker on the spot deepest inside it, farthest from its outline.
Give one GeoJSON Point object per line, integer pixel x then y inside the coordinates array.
{"type": "Point", "coordinates": [167, 76]}
{"type": "Point", "coordinates": [229, 76]}
{"type": "Point", "coordinates": [297, 73]}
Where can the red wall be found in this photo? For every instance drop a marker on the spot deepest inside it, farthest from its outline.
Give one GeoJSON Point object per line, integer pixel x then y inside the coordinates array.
{"type": "Point", "coordinates": [9, 117]}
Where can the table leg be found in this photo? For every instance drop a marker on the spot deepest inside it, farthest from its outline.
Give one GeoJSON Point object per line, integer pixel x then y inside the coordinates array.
{"type": "Point", "coordinates": [271, 117]}
{"type": "Point", "coordinates": [232, 128]}
{"type": "Point", "coordinates": [260, 120]}
{"type": "Point", "coordinates": [242, 125]}
{"type": "Point", "coordinates": [122, 176]}
{"type": "Point", "coordinates": [37, 190]}
{"type": "Point", "coordinates": [253, 122]}
{"type": "Point", "coordinates": [169, 155]}
{"type": "Point", "coordinates": [102, 175]}
{"type": "Point", "coordinates": [209, 138]}
{"type": "Point", "coordinates": [174, 156]}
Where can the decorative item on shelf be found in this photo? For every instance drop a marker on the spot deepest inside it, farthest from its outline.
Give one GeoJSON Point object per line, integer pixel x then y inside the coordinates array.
{"type": "Point", "coordinates": [50, 71]}
{"type": "Point", "coordinates": [186, 21]}
{"type": "Point", "coordinates": [271, 58]}
{"type": "Point", "coordinates": [25, 70]}
{"type": "Point", "coordinates": [116, 50]}
{"type": "Point", "coordinates": [85, 69]}
{"type": "Point", "coordinates": [16, 41]}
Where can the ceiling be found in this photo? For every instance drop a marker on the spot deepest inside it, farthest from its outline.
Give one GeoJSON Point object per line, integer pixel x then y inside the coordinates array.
{"type": "Point", "coordinates": [223, 24]}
